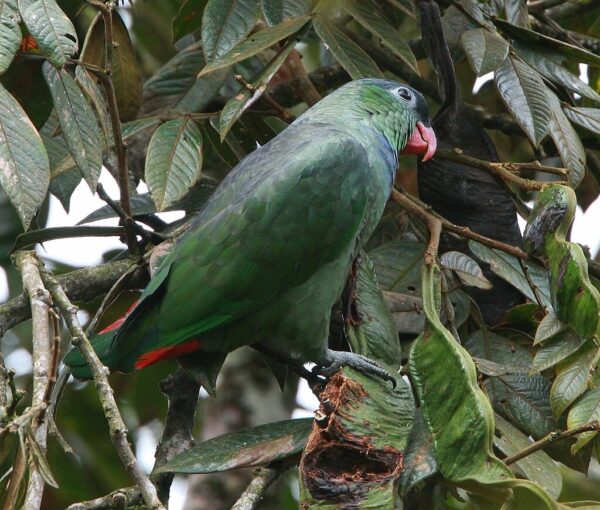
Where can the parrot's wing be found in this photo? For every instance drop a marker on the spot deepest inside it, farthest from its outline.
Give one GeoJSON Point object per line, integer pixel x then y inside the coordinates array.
{"type": "Point", "coordinates": [290, 207]}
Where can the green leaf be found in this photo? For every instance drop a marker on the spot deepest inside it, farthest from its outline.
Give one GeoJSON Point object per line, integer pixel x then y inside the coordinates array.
{"type": "Point", "coordinates": [525, 95]}
{"type": "Point", "coordinates": [10, 35]}
{"type": "Point", "coordinates": [537, 467]}
{"type": "Point", "coordinates": [52, 29]}
{"type": "Point", "coordinates": [419, 456]}
{"type": "Point", "coordinates": [33, 237]}
{"type": "Point", "coordinates": [454, 407]}
{"type": "Point", "coordinates": [179, 78]}
{"type": "Point", "coordinates": [133, 127]}
{"type": "Point", "coordinates": [567, 141]}
{"type": "Point", "coordinates": [234, 108]}
{"type": "Point", "coordinates": [38, 458]}
{"type": "Point", "coordinates": [174, 161]}
{"type": "Point", "coordinates": [277, 11]}
{"type": "Point", "coordinates": [77, 122]}
{"type": "Point", "coordinates": [244, 448]}
{"type": "Point", "coordinates": [508, 268]}
{"type": "Point", "coordinates": [524, 400]}
{"type": "Point", "coordinates": [24, 166]}
{"type": "Point", "coordinates": [549, 326]}
{"type": "Point", "coordinates": [371, 330]}
{"type": "Point", "coordinates": [555, 350]}
{"type": "Point", "coordinates": [585, 410]}
{"type": "Point", "coordinates": [466, 269]}
{"type": "Point", "coordinates": [490, 346]}
{"type": "Point", "coordinates": [226, 23]}
{"type": "Point", "coordinates": [550, 65]}
{"type": "Point", "coordinates": [188, 19]}
{"type": "Point", "coordinates": [257, 42]}
{"type": "Point", "coordinates": [588, 118]}
{"type": "Point", "coordinates": [63, 185]}
{"type": "Point", "coordinates": [516, 12]}
{"type": "Point", "coordinates": [572, 379]}
{"type": "Point", "coordinates": [90, 88]}
{"type": "Point", "coordinates": [485, 48]}
{"type": "Point", "coordinates": [364, 14]}
{"type": "Point", "coordinates": [530, 36]}
{"type": "Point", "coordinates": [126, 75]}
{"type": "Point", "coordinates": [351, 56]}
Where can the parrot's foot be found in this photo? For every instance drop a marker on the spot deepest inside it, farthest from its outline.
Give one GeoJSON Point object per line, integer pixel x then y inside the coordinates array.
{"type": "Point", "coordinates": [334, 360]}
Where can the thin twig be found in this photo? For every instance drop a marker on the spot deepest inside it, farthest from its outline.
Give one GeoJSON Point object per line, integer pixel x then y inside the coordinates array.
{"type": "Point", "coordinates": [39, 297]}
{"type": "Point", "coordinates": [281, 111]}
{"type": "Point", "coordinates": [497, 169]}
{"type": "Point", "coordinates": [118, 430]}
{"type": "Point", "coordinates": [128, 497]}
{"type": "Point", "coordinates": [532, 285]}
{"type": "Point", "coordinates": [113, 109]}
{"type": "Point", "coordinates": [593, 426]}
{"type": "Point", "coordinates": [415, 206]}
{"type": "Point", "coordinates": [262, 480]}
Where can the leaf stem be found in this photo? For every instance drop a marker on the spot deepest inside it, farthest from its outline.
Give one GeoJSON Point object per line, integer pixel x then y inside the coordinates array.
{"type": "Point", "coordinates": [593, 426]}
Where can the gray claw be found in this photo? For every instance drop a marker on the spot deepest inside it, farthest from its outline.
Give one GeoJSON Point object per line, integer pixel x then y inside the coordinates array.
{"type": "Point", "coordinates": [334, 360]}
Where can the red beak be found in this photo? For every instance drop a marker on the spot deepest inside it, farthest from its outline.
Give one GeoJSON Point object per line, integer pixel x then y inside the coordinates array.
{"type": "Point", "coordinates": [422, 141]}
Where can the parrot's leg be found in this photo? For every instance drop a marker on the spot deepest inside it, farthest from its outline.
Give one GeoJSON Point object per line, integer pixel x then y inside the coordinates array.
{"type": "Point", "coordinates": [334, 360]}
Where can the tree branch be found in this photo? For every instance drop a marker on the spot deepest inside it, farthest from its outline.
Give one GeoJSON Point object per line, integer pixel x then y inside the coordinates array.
{"type": "Point", "coordinates": [416, 207]}
{"type": "Point", "coordinates": [27, 263]}
{"type": "Point", "coordinates": [593, 426]}
{"type": "Point", "coordinates": [118, 431]}
{"type": "Point", "coordinates": [79, 285]}
{"type": "Point", "coordinates": [262, 480]}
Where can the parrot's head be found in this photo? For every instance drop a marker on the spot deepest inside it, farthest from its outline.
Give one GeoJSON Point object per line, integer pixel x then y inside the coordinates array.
{"type": "Point", "coordinates": [396, 110]}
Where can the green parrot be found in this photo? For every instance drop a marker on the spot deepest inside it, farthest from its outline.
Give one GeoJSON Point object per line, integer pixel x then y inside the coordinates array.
{"type": "Point", "coordinates": [267, 258]}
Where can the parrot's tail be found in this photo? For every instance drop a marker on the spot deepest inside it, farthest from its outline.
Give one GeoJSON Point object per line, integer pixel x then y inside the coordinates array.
{"type": "Point", "coordinates": [76, 362]}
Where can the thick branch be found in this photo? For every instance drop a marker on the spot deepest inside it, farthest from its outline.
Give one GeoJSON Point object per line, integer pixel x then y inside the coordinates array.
{"type": "Point", "coordinates": [593, 426]}
{"type": "Point", "coordinates": [118, 431]}
{"type": "Point", "coordinates": [80, 285]}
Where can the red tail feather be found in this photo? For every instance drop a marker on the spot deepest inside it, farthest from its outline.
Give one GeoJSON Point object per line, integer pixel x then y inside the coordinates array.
{"type": "Point", "coordinates": [118, 322]}
{"type": "Point", "coordinates": [169, 352]}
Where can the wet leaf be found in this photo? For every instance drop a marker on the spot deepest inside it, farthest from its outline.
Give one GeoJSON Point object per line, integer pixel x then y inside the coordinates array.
{"type": "Point", "coordinates": [52, 29]}
{"type": "Point", "coordinates": [485, 48]}
{"type": "Point", "coordinates": [277, 11]}
{"type": "Point", "coordinates": [77, 122]}
{"type": "Point", "coordinates": [226, 23]}
{"type": "Point", "coordinates": [525, 95]}
{"type": "Point", "coordinates": [256, 43]}
{"type": "Point", "coordinates": [351, 56]}
{"type": "Point", "coordinates": [466, 269]}
{"type": "Point", "coordinates": [174, 161]}
{"type": "Point", "coordinates": [390, 37]}
{"type": "Point", "coordinates": [250, 447]}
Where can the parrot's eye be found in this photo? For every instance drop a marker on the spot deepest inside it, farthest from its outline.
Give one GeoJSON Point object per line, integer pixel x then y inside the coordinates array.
{"type": "Point", "coordinates": [404, 93]}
